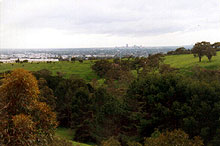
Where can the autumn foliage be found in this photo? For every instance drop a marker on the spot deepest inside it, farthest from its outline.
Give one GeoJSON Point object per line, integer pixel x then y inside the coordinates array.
{"type": "Point", "coordinates": [23, 119]}
{"type": "Point", "coordinates": [173, 138]}
{"type": "Point", "coordinates": [111, 142]}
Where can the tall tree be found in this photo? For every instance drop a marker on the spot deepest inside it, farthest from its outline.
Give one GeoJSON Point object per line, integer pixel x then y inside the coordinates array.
{"type": "Point", "coordinates": [46, 93]}
{"type": "Point", "coordinates": [23, 119]}
{"type": "Point", "coordinates": [216, 46]}
{"type": "Point", "coordinates": [210, 51]}
{"type": "Point", "coordinates": [200, 48]}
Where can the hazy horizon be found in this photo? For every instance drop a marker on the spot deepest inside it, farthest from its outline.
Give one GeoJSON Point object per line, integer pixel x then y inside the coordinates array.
{"type": "Point", "coordinates": [132, 46]}
{"type": "Point", "coordinates": [100, 24]}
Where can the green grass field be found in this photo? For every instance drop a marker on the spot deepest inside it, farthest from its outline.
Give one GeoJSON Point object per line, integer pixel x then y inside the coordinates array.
{"type": "Point", "coordinates": [68, 135]}
{"type": "Point", "coordinates": [83, 70]}
{"type": "Point", "coordinates": [188, 61]}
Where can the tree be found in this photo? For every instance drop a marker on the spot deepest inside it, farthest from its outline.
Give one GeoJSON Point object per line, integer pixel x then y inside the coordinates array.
{"type": "Point", "coordinates": [101, 67]}
{"type": "Point", "coordinates": [66, 92]}
{"type": "Point", "coordinates": [138, 63]}
{"type": "Point", "coordinates": [203, 48]}
{"type": "Point", "coordinates": [23, 119]}
{"type": "Point", "coordinates": [216, 46]}
{"type": "Point", "coordinates": [154, 61]}
{"type": "Point", "coordinates": [46, 93]}
{"type": "Point", "coordinates": [180, 50]}
{"type": "Point", "coordinates": [170, 101]}
{"type": "Point", "coordinates": [82, 116]}
{"type": "Point", "coordinates": [73, 59]}
{"type": "Point", "coordinates": [43, 73]}
{"type": "Point", "coordinates": [111, 142]}
{"type": "Point", "coordinates": [173, 138]}
{"type": "Point", "coordinates": [209, 52]}
{"type": "Point", "coordinates": [107, 113]}
{"type": "Point", "coordinates": [52, 81]}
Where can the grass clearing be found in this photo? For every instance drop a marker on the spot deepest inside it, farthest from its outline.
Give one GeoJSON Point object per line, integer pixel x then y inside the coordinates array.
{"type": "Point", "coordinates": [82, 70]}
{"type": "Point", "coordinates": [68, 134]}
{"type": "Point", "coordinates": [187, 61]}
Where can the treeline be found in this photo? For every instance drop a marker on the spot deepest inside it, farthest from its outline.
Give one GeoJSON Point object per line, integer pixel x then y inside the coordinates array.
{"type": "Point", "coordinates": [179, 51]}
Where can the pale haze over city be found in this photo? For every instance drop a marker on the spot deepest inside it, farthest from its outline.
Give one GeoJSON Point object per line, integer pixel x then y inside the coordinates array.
{"type": "Point", "coordinates": [107, 23]}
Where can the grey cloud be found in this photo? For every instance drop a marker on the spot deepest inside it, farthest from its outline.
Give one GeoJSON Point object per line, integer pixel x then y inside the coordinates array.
{"type": "Point", "coordinates": [115, 17]}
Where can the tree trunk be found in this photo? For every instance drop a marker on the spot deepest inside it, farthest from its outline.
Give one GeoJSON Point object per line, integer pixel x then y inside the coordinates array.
{"type": "Point", "coordinates": [200, 58]}
{"type": "Point", "coordinates": [210, 57]}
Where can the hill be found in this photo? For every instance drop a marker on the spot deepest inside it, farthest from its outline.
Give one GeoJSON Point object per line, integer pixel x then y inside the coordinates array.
{"type": "Point", "coordinates": [82, 70]}
{"type": "Point", "coordinates": [187, 61]}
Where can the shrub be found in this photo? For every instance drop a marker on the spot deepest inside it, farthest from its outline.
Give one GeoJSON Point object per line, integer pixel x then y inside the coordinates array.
{"type": "Point", "coordinates": [173, 138]}
{"type": "Point", "coordinates": [111, 142]}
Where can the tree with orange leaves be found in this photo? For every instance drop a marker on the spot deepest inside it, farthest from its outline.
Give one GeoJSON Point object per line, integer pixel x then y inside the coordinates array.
{"type": "Point", "coordinates": [23, 119]}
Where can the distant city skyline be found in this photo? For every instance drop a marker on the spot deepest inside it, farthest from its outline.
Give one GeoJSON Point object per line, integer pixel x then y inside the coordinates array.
{"type": "Point", "coordinates": [107, 23]}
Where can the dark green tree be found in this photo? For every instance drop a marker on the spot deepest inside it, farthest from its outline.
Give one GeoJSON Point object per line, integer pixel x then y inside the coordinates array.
{"type": "Point", "coordinates": [216, 46]}
{"type": "Point", "coordinates": [46, 93]}
{"type": "Point", "coordinates": [73, 59]}
{"type": "Point", "coordinates": [66, 96]}
{"type": "Point", "coordinates": [170, 101]}
{"type": "Point", "coordinates": [138, 63]}
{"type": "Point", "coordinates": [173, 138]}
{"type": "Point", "coordinates": [101, 67]}
{"type": "Point", "coordinates": [210, 51]}
{"type": "Point", "coordinates": [107, 113]}
{"type": "Point", "coordinates": [203, 48]}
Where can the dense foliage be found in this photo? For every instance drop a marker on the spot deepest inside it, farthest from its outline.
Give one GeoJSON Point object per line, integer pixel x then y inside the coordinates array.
{"type": "Point", "coordinates": [201, 49]}
{"type": "Point", "coordinates": [179, 51]}
{"type": "Point", "coordinates": [169, 102]}
{"type": "Point", "coordinates": [137, 102]}
{"type": "Point", "coordinates": [130, 109]}
{"type": "Point", "coordinates": [173, 138]}
{"type": "Point", "coordinates": [24, 120]}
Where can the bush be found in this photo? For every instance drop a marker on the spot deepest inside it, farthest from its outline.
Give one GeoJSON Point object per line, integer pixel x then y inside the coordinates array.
{"type": "Point", "coordinates": [171, 101]}
{"type": "Point", "coordinates": [173, 138]}
{"type": "Point", "coordinates": [111, 142]}
{"type": "Point", "coordinates": [101, 67]}
{"type": "Point", "coordinates": [60, 142]}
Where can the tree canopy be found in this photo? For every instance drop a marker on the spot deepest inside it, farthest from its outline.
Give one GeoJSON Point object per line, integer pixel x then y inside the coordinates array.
{"type": "Point", "coordinates": [24, 120]}
{"type": "Point", "coordinates": [201, 49]}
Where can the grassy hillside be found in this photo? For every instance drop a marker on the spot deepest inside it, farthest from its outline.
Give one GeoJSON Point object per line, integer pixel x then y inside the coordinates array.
{"type": "Point", "coordinates": [68, 135]}
{"type": "Point", "coordinates": [186, 62]}
{"type": "Point", "coordinates": [82, 70]}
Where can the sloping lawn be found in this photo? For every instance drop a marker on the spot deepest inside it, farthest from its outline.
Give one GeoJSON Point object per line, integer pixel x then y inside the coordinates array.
{"type": "Point", "coordinates": [188, 61]}
{"type": "Point", "coordinates": [68, 135]}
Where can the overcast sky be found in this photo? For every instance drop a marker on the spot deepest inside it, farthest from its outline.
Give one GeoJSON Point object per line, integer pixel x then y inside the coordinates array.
{"type": "Point", "coordinates": [107, 23]}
